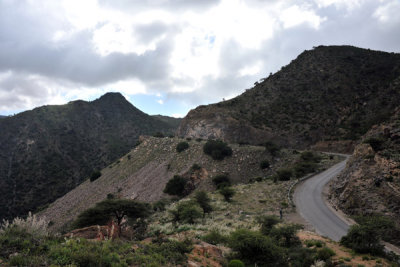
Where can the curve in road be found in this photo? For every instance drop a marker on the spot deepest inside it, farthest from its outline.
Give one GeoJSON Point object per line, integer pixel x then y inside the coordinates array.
{"type": "Point", "coordinates": [312, 207]}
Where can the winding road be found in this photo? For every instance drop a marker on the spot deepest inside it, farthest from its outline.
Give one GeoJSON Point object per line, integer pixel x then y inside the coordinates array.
{"type": "Point", "coordinates": [312, 207]}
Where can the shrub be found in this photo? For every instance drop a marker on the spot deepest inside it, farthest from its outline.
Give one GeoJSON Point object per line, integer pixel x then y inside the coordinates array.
{"type": "Point", "coordinates": [362, 239]}
{"type": "Point", "coordinates": [217, 149]}
{"type": "Point", "coordinates": [227, 192]}
{"type": "Point", "coordinates": [159, 135]}
{"type": "Point", "coordinates": [110, 196]}
{"type": "Point", "coordinates": [272, 148]}
{"type": "Point", "coordinates": [309, 156]}
{"type": "Point", "coordinates": [214, 237]}
{"type": "Point", "coordinates": [32, 225]}
{"type": "Point", "coordinates": [255, 248]}
{"type": "Point", "coordinates": [236, 263]}
{"type": "Point", "coordinates": [196, 167]}
{"type": "Point", "coordinates": [375, 142]}
{"type": "Point", "coordinates": [186, 212]}
{"type": "Point", "coordinates": [286, 234]}
{"type": "Point", "coordinates": [300, 256]}
{"type": "Point", "coordinates": [284, 174]}
{"type": "Point", "coordinates": [182, 146]}
{"type": "Point", "coordinates": [160, 205]}
{"type": "Point", "coordinates": [221, 181]}
{"type": "Point", "coordinates": [264, 164]}
{"type": "Point", "coordinates": [203, 200]}
{"type": "Point", "coordinates": [95, 175]}
{"type": "Point", "coordinates": [176, 186]}
{"type": "Point", "coordinates": [267, 222]}
{"type": "Point", "coordinates": [303, 168]}
{"type": "Point", "coordinates": [325, 254]}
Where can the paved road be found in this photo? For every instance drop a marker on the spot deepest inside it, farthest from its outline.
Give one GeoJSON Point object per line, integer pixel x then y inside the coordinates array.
{"type": "Point", "coordinates": [312, 207]}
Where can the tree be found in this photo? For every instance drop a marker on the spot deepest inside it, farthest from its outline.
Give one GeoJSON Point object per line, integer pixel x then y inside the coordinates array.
{"type": "Point", "coordinates": [286, 234]}
{"type": "Point", "coordinates": [217, 149]}
{"type": "Point", "coordinates": [186, 211]}
{"type": "Point", "coordinates": [284, 174]}
{"type": "Point", "coordinates": [95, 175]}
{"type": "Point", "coordinates": [272, 148]}
{"type": "Point", "coordinates": [116, 209]}
{"type": "Point", "coordinates": [182, 146]}
{"type": "Point", "coordinates": [176, 186]}
{"type": "Point", "coordinates": [264, 164]}
{"type": "Point", "coordinates": [267, 223]}
{"type": "Point", "coordinates": [204, 201]}
{"type": "Point", "coordinates": [221, 181]}
{"type": "Point", "coordinates": [362, 239]}
{"type": "Point", "coordinates": [227, 192]}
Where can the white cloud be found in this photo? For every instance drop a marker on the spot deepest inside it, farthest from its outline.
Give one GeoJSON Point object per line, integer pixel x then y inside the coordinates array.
{"type": "Point", "coordinates": [193, 52]}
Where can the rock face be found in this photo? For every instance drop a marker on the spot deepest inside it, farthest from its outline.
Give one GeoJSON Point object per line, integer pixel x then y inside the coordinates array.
{"type": "Point", "coordinates": [204, 254]}
{"type": "Point", "coordinates": [329, 93]}
{"type": "Point", "coordinates": [46, 152]}
{"type": "Point", "coordinates": [370, 184]}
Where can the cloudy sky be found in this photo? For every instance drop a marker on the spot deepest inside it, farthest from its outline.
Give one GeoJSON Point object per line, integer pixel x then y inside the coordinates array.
{"type": "Point", "coordinates": [169, 56]}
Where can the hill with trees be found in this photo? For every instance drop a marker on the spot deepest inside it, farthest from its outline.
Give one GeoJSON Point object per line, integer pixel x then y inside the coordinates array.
{"type": "Point", "coordinates": [326, 94]}
{"type": "Point", "coordinates": [46, 152]}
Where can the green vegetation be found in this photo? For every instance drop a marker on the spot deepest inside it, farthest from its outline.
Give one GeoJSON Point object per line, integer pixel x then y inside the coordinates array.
{"type": "Point", "coordinates": [236, 263]}
{"type": "Point", "coordinates": [272, 148]}
{"type": "Point", "coordinates": [186, 212]}
{"type": "Point", "coordinates": [182, 146]}
{"type": "Point", "coordinates": [117, 209]}
{"type": "Point", "coordinates": [284, 174]}
{"type": "Point", "coordinates": [176, 186]}
{"type": "Point", "coordinates": [267, 222]}
{"type": "Point", "coordinates": [377, 143]}
{"type": "Point", "coordinates": [221, 181]}
{"type": "Point", "coordinates": [215, 237]}
{"type": "Point", "coordinates": [264, 164]}
{"type": "Point", "coordinates": [95, 175]}
{"type": "Point", "coordinates": [217, 149]}
{"type": "Point", "coordinates": [204, 201]}
{"type": "Point", "coordinates": [325, 254]}
{"type": "Point", "coordinates": [227, 192]}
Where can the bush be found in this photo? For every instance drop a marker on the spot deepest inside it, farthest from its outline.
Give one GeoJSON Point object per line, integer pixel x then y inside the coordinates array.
{"type": "Point", "coordinates": [203, 200]}
{"type": "Point", "coordinates": [363, 239]}
{"type": "Point", "coordinates": [286, 235]}
{"type": "Point", "coordinates": [221, 181]}
{"type": "Point", "coordinates": [377, 143]}
{"type": "Point", "coordinates": [217, 149]}
{"type": "Point", "coordinates": [303, 168]}
{"type": "Point", "coordinates": [227, 192]}
{"type": "Point", "coordinates": [264, 164]}
{"type": "Point", "coordinates": [325, 254]}
{"type": "Point", "coordinates": [159, 135]}
{"type": "Point", "coordinates": [214, 237]}
{"type": "Point", "coordinates": [236, 263]}
{"type": "Point", "coordinates": [284, 174]}
{"type": "Point", "coordinates": [255, 248]}
{"type": "Point", "coordinates": [196, 167]}
{"type": "Point", "coordinates": [267, 222]}
{"type": "Point", "coordinates": [176, 186]}
{"type": "Point", "coordinates": [309, 156]}
{"type": "Point", "coordinates": [160, 205]}
{"type": "Point", "coordinates": [182, 146]}
{"type": "Point", "coordinates": [95, 175]}
{"type": "Point", "coordinates": [186, 212]}
{"type": "Point", "coordinates": [272, 148]}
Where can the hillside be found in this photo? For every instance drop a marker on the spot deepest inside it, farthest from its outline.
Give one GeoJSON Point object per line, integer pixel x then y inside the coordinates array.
{"type": "Point", "coordinates": [370, 184]}
{"type": "Point", "coordinates": [143, 173]}
{"type": "Point", "coordinates": [328, 93]}
{"type": "Point", "coordinates": [174, 122]}
{"type": "Point", "coordinates": [46, 152]}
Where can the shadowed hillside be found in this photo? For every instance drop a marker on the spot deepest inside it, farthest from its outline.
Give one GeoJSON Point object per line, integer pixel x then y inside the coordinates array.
{"type": "Point", "coordinates": [46, 152]}
{"type": "Point", "coordinates": [328, 93]}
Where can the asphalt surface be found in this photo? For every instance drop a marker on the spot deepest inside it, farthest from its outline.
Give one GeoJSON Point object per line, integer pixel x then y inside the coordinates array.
{"type": "Point", "coordinates": [312, 207]}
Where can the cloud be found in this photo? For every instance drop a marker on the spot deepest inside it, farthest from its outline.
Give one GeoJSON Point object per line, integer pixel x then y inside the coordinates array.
{"type": "Point", "coordinates": [189, 51]}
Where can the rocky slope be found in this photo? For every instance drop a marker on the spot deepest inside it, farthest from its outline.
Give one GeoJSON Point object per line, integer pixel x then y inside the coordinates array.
{"type": "Point", "coordinates": [46, 152]}
{"type": "Point", "coordinates": [370, 183]}
{"type": "Point", "coordinates": [328, 93]}
{"type": "Point", "coordinates": [143, 173]}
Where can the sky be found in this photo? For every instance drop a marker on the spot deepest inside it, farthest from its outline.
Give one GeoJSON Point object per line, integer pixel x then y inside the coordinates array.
{"type": "Point", "coordinates": [169, 56]}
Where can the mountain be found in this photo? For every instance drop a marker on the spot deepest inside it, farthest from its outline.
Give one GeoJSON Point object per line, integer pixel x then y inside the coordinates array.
{"type": "Point", "coordinates": [46, 152]}
{"type": "Point", "coordinates": [328, 93]}
{"type": "Point", "coordinates": [1, 116]}
{"type": "Point", "coordinates": [370, 184]}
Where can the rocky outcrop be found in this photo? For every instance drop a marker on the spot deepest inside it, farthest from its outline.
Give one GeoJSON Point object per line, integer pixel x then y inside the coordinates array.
{"type": "Point", "coordinates": [96, 232]}
{"type": "Point", "coordinates": [370, 184]}
{"type": "Point", "coordinates": [204, 254]}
